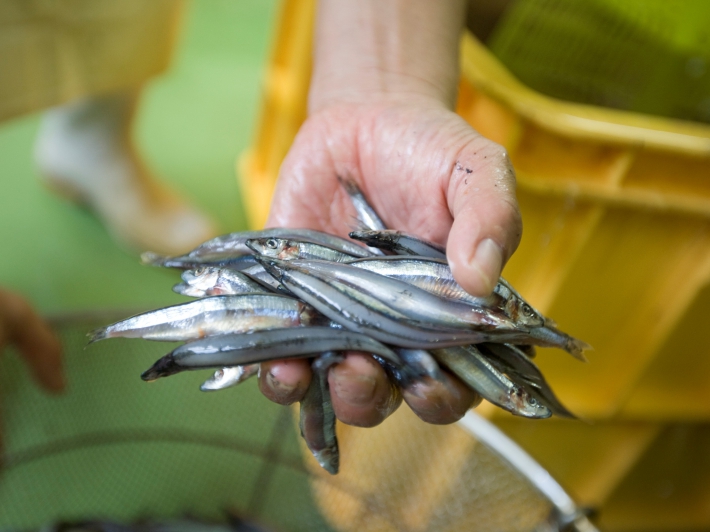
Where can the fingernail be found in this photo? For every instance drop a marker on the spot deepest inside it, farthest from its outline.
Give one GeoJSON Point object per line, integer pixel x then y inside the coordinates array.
{"type": "Point", "coordinates": [353, 389]}
{"type": "Point", "coordinates": [280, 389]}
{"type": "Point", "coordinates": [488, 262]}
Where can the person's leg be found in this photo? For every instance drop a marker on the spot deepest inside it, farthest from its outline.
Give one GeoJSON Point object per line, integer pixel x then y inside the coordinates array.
{"type": "Point", "coordinates": [84, 151]}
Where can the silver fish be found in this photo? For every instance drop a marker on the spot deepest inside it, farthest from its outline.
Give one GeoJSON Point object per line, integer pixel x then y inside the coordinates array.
{"type": "Point", "coordinates": [367, 216]}
{"type": "Point", "coordinates": [434, 276]}
{"type": "Point", "coordinates": [290, 249]}
{"type": "Point", "coordinates": [512, 361]}
{"type": "Point", "coordinates": [356, 311]}
{"type": "Point", "coordinates": [261, 346]}
{"type": "Point", "coordinates": [184, 262]}
{"type": "Point", "coordinates": [550, 336]}
{"type": "Point", "coordinates": [190, 291]}
{"type": "Point", "coordinates": [480, 375]}
{"type": "Point", "coordinates": [260, 275]}
{"type": "Point", "coordinates": [400, 243]}
{"type": "Point", "coordinates": [228, 377]}
{"type": "Point", "coordinates": [421, 363]}
{"type": "Point", "coordinates": [317, 418]}
{"type": "Point", "coordinates": [410, 301]}
{"type": "Point", "coordinates": [515, 306]}
{"type": "Point", "coordinates": [211, 316]}
{"type": "Point", "coordinates": [231, 248]}
{"type": "Point", "coordinates": [214, 281]}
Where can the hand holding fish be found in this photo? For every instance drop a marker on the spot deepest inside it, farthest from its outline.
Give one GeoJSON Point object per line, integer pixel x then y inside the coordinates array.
{"type": "Point", "coordinates": [21, 327]}
{"type": "Point", "coordinates": [383, 87]}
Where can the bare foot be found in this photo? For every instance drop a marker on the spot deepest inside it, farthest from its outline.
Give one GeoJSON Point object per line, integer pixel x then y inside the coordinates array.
{"type": "Point", "coordinates": [84, 153]}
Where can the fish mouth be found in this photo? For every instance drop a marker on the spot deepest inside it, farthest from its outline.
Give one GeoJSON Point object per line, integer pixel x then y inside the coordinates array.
{"type": "Point", "coordinates": [253, 244]}
{"type": "Point", "coordinates": [328, 459]}
{"type": "Point", "coordinates": [164, 367]}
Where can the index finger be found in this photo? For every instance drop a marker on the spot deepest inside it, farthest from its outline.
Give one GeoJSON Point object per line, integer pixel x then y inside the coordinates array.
{"type": "Point", "coordinates": [21, 326]}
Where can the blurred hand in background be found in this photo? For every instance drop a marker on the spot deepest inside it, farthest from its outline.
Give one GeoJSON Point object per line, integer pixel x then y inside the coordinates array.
{"type": "Point", "coordinates": [22, 328]}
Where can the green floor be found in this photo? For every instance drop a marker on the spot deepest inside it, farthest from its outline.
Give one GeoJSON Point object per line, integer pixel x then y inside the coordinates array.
{"type": "Point", "coordinates": [193, 123]}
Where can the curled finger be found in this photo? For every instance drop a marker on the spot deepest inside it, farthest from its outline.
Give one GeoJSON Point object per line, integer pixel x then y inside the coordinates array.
{"type": "Point", "coordinates": [361, 392]}
{"type": "Point", "coordinates": [441, 401]}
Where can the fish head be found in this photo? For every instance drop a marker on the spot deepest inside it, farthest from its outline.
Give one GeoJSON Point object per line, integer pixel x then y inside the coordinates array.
{"type": "Point", "coordinates": [279, 248]}
{"type": "Point", "coordinates": [164, 367]}
{"type": "Point", "coordinates": [187, 290]}
{"type": "Point", "coordinates": [528, 316]}
{"type": "Point", "coordinates": [203, 277]}
{"type": "Point", "coordinates": [528, 406]}
{"type": "Point", "coordinates": [329, 459]}
{"type": "Point", "coordinates": [213, 382]}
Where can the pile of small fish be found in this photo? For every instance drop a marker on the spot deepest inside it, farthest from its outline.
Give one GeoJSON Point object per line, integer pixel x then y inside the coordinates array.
{"type": "Point", "coordinates": [285, 293]}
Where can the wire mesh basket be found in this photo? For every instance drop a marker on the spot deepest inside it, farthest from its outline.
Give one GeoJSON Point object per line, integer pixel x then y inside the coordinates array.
{"type": "Point", "coordinates": [115, 448]}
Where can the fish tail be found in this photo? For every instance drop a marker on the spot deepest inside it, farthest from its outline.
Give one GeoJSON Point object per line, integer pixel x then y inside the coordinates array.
{"type": "Point", "coordinates": [149, 258]}
{"type": "Point", "coordinates": [576, 348]}
{"type": "Point", "coordinates": [98, 334]}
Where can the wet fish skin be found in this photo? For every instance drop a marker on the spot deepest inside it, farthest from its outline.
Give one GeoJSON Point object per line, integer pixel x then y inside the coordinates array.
{"type": "Point", "coordinates": [467, 363]}
{"type": "Point", "coordinates": [230, 248]}
{"type": "Point", "coordinates": [260, 275]}
{"type": "Point", "coordinates": [516, 307]}
{"type": "Point", "coordinates": [431, 275]}
{"type": "Point", "coordinates": [434, 276]}
{"type": "Point", "coordinates": [317, 418]}
{"type": "Point", "coordinates": [411, 301]}
{"type": "Point", "coordinates": [366, 215]}
{"type": "Point", "coordinates": [421, 362]}
{"type": "Point", "coordinates": [290, 249]}
{"type": "Point", "coordinates": [190, 291]}
{"type": "Point", "coordinates": [549, 336]}
{"type": "Point", "coordinates": [213, 281]}
{"type": "Point", "coordinates": [229, 376]}
{"type": "Point", "coordinates": [237, 262]}
{"type": "Point", "coordinates": [400, 243]}
{"type": "Point", "coordinates": [515, 363]}
{"type": "Point", "coordinates": [261, 346]}
{"type": "Point", "coordinates": [210, 316]}
{"type": "Point", "coordinates": [345, 307]}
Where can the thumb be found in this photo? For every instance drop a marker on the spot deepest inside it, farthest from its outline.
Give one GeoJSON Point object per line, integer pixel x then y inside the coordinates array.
{"type": "Point", "coordinates": [487, 226]}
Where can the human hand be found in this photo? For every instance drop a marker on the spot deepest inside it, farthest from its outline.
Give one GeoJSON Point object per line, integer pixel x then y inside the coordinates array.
{"type": "Point", "coordinates": [425, 171]}
{"type": "Point", "coordinates": [21, 327]}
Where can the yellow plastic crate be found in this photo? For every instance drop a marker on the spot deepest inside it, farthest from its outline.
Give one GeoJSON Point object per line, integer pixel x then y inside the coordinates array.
{"type": "Point", "coordinates": [616, 248]}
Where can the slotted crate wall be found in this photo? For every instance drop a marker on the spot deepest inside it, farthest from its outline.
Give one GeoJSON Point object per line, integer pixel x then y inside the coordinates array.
{"type": "Point", "coordinates": [616, 248]}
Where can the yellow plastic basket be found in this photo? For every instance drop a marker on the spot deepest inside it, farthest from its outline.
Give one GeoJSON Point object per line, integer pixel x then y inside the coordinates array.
{"type": "Point", "coordinates": [616, 248]}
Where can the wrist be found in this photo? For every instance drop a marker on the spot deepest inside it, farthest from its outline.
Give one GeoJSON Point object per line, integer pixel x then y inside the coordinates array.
{"type": "Point", "coordinates": [374, 88]}
{"type": "Point", "coordinates": [372, 51]}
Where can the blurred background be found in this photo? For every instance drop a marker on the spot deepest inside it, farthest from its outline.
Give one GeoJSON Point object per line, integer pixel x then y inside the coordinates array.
{"type": "Point", "coordinates": [602, 106]}
{"type": "Point", "coordinates": [192, 123]}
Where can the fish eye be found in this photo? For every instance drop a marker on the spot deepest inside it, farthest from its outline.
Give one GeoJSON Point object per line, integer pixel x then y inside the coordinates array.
{"type": "Point", "coordinates": [200, 271]}
{"type": "Point", "coordinates": [271, 243]}
{"type": "Point", "coordinates": [528, 311]}
{"type": "Point", "coordinates": [532, 401]}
